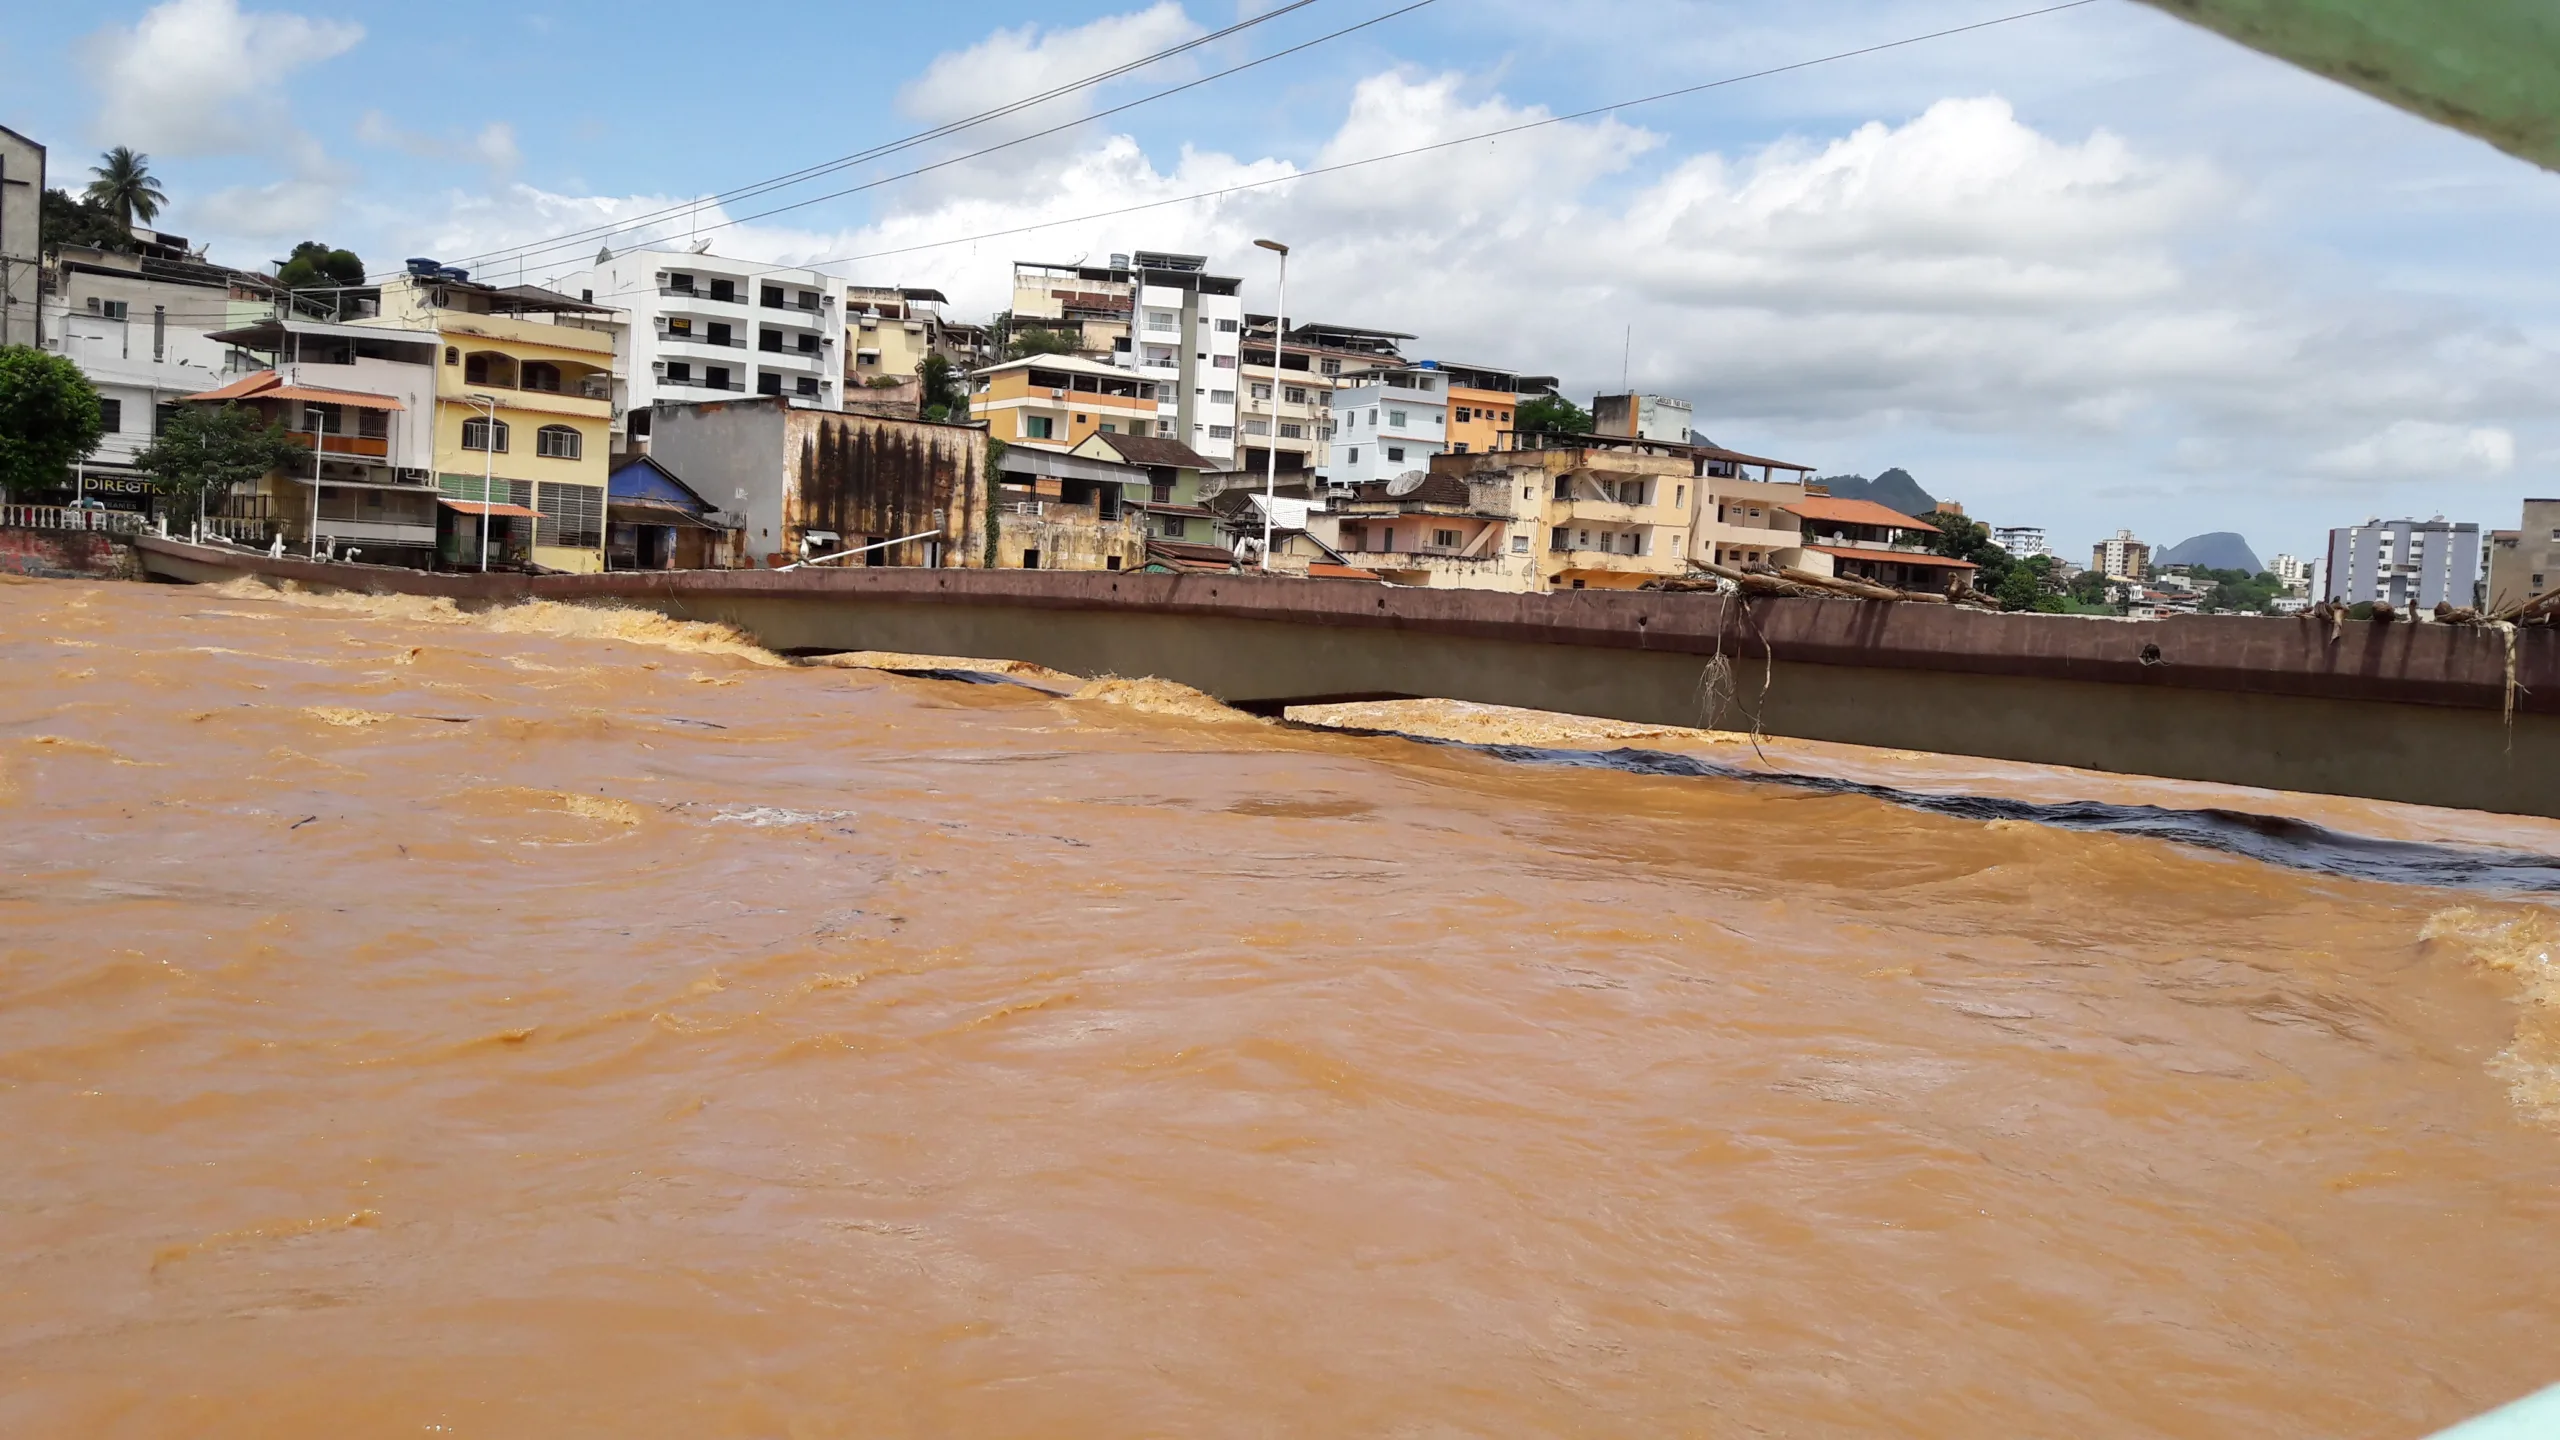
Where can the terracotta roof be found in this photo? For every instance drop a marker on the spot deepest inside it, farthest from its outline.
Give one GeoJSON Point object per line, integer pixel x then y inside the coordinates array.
{"type": "Point", "coordinates": [1718, 452]}
{"type": "Point", "coordinates": [1319, 570]}
{"type": "Point", "coordinates": [1155, 450]}
{"type": "Point", "coordinates": [269, 385]}
{"type": "Point", "coordinates": [1181, 556]}
{"type": "Point", "coordinates": [1436, 489]}
{"type": "Point", "coordinates": [1854, 512]}
{"type": "Point", "coordinates": [474, 507]}
{"type": "Point", "coordinates": [1896, 557]}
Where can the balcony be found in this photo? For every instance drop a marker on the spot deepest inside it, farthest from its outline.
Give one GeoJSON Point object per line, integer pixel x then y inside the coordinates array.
{"type": "Point", "coordinates": [376, 532]}
{"type": "Point", "coordinates": [1612, 560]}
{"type": "Point", "coordinates": [374, 446]}
{"type": "Point", "coordinates": [696, 337]}
{"type": "Point", "coordinates": [686, 292]}
{"type": "Point", "coordinates": [1608, 512]}
{"type": "Point", "coordinates": [696, 382]}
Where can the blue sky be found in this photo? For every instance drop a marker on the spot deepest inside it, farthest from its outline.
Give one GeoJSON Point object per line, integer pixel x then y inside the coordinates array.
{"type": "Point", "coordinates": [2087, 270]}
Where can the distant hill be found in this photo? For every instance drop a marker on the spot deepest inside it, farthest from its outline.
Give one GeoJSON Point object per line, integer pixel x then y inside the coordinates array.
{"type": "Point", "coordinates": [2220, 550]}
{"type": "Point", "coordinates": [1894, 490]}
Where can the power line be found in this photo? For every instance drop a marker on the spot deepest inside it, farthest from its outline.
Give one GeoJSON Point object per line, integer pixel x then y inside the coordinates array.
{"type": "Point", "coordinates": [580, 237]}
{"type": "Point", "coordinates": [1034, 135]}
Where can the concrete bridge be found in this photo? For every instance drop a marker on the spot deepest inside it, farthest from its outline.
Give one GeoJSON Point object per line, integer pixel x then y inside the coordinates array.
{"type": "Point", "coordinates": [2417, 713]}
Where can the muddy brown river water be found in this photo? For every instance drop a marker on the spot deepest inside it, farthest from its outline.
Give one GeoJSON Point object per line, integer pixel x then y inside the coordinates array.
{"type": "Point", "coordinates": [563, 1022]}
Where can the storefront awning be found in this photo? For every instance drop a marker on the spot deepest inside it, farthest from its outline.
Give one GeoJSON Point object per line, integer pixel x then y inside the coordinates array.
{"type": "Point", "coordinates": [474, 507]}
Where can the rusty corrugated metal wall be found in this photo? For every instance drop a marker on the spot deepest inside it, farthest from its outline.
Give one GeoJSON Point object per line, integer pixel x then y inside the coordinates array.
{"type": "Point", "coordinates": [872, 476]}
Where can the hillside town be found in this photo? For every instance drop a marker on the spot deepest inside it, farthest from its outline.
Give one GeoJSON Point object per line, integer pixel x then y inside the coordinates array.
{"type": "Point", "coordinates": [671, 408]}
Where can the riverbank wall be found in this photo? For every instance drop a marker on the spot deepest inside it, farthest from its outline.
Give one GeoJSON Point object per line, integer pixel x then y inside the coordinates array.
{"type": "Point", "coordinates": [67, 554]}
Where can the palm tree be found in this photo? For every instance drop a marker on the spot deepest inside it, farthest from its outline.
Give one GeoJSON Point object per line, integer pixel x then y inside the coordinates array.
{"type": "Point", "coordinates": [125, 186]}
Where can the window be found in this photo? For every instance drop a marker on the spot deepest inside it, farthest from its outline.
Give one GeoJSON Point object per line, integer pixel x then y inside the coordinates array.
{"type": "Point", "coordinates": [110, 414]}
{"type": "Point", "coordinates": [1257, 427]}
{"type": "Point", "coordinates": [768, 383]}
{"type": "Point", "coordinates": [1424, 383]}
{"type": "Point", "coordinates": [557, 442]}
{"type": "Point", "coordinates": [1292, 430]}
{"type": "Point", "coordinates": [1445, 539]}
{"type": "Point", "coordinates": [322, 420]}
{"type": "Point", "coordinates": [808, 344]}
{"type": "Point", "coordinates": [1558, 540]}
{"type": "Point", "coordinates": [476, 435]}
{"type": "Point", "coordinates": [716, 376]}
{"type": "Point", "coordinates": [1396, 418]}
{"type": "Point", "coordinates": [807, 299]}
{"type": "Point", "coordinates": [1395, 454]}
{"type": "Point", "coordinates": [1519, 544]}
{"type": "Point", "coordinates": [1459, 449]}
{"type": "Point", "coordinates": [373, 424]}
{"type": "Point", "coordinates": [680, 328]}
{"type": "Point", "coordinates": [453, 354]}
{"type": "Point", "coordinates": [1462, 416]}
{"type": "Point", "coordinates": [1355, 454]}
{"type": "Point", "coordinates": [717, 332]}
{"type": "Point", "coordinates": [1330, 367]}
{"type": "Point", "coordinates": [1679, 494]}
{"type": "Point", "coordinates": [1222, 432]}
{"type": "Point", "coordinates": [113, 309]}
{"type": "Point", "coordinates": [571, 515]}
{"type": "Point", "coordinates": [1172, 526]}
{"type": "Point", "coordinates": [1226, 327]}
{"type": "Point", "coordinates": [1295, 394]}
{"type": "Point", "coordinates": [1030, 559]}
{"type": "Point", "coordinates": [1224, 362]}
{"type": "Point", "coordinates": [1564, 487]}
{"type": "Point", "coordinates": [1159, 319]}
{"type": "Point", "coordinates": [805, 385]}
{"type": "Point", "coordinates": [1222, 397]}
{"type": "Point", "coordinates": [640, 423]}
{"type": "Point", "coordinates": [1081, 419]}
{"type": "Point", "coordinates": [542, 375]}
{"type": "Point", "coordinates": [1164, 428]}
{"type": "Point", "coordinates": [1261, 391]}
{"type": "Point", "coordinates": [720, 289]}
{"type": "Point", "coordinates": [772, 297]}
{"type": "Point", "coordinates": [769, 340]}
{"type": "Point", "coordinates": [1373, 418]}
{"type": "Point", "coordinates": [680, 372]}
{"type": "Point", "coordinates": [1108, 428]}
{"type": "Point", "coordinates": [1036, 427]}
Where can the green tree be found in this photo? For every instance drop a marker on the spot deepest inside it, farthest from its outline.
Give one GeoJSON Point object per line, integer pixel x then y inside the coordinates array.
{"type": "Point", "coordinates": [1550, 415]}
{"type": "Point", "coordinates": [125, 187]}
{"type": "Point", "coordinates": [1028, 342]}
{"type": "Point", "coordinates": [945, 396]}
{"type": "Point", "coordinates": [66, 221]}
{"type": "Point", "coordinates": [328, 275]}
{"type": "Point", "coordinates": [2089, 588]}
{"type": "Point", "coordinates": [1961, 539]}
{"type": "Point", "coordinates": [2029, 585]}
{"type": "Point", "coordinates": [995, 497]}
{"type": "Point", "coordinates": [49, 418]}
{"type": "Point", "coordinates": [204, 452]}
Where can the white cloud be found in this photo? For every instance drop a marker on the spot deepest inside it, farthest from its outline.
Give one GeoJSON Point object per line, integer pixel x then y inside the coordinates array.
{"type": "Point", "coordinates": [494, 146]}
{"type": "Point", "coordinates": [2422, 449]}
{"type": "Point", "coordinates": [1011, 64]}
{"type": "Point", "coordinates": [201, 77]}
{"type": "Point", "coordinates": [284, 211]}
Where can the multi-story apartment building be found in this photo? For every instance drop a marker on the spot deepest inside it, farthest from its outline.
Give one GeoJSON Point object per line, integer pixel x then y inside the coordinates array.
{"type": "Point", "coordinates": [1318, 359]}
{"type": "Point", "coordinates": [1186, 337]}
{"type": "Point", "coordinates": [704, 327]}
{"type": "Point", "coordinates": [889, 330]}
{"type": "Point", "coordinates": [524, 406]}
{"type": "Point", "coordinates": [2121, 557]}
{"type": "Point", "coordinates": [1060, 400]}
{"type": "Point", "coordinates": [1481, 402]}
{"type": "Point", "coordinates": [362, 399]}
{"type": "Point", "coordinates": [1863, 540]}
{"type": "Point", "coordinates": [2525, 562]}
{"type": "Point", "coordinates": [2406, 563]}
{"type": "Point", "coordinates": [1587, 514]}
{"type": "Point", "coordinates": [1386, 423]}
{"type": "Point", "coordinates": [21, 236]}
{"type": "Point", "coordinates": [140, 325]}
{"type": "Point", "coordinates": [1744, 511]}
{"type": "Point", "coordinates": [2022, 541]}
{"type": "Point", "coordinates": [2294, 573]}
{"type": "Point", "coordinates": [1644, 417]}
{"type": "Point", "coordinates": [1088, 304]}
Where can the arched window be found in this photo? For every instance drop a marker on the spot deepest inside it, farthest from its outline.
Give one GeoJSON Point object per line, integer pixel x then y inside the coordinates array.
{"type": "Point", "coordinates": [476, 435]}
{"type": "Point", "coordinates": [453, 354]}
{"type": "Point", "coordinates": [557, 442]}
{"type": "Point", "coordinates": [542, 375]}
{"type": "Point", "coordinates": [487, 367]}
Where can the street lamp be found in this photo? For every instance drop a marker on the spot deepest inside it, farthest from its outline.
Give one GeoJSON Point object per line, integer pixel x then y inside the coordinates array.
{"type": "Point", "coordinates": [1271, 442]}
{"type": "Point", "coordinates": [488, 469]}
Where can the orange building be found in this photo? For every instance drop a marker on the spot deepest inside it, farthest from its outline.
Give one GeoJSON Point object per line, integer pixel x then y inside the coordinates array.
{"type": "Point", "coordinates": [1481, 405]}
{"type": "Point", "coordinates": [1060, 400]}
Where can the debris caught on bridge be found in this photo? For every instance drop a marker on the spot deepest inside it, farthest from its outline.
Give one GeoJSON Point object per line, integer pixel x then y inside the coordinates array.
{"type": "Point", "coordinates": [1762, 579]}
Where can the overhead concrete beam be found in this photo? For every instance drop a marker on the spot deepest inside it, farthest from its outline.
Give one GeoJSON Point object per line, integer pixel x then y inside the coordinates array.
{"type": "Point", "coordinates": [2489, 68]}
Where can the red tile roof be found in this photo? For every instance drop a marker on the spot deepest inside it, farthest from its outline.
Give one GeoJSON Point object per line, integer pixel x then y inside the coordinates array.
{"type": "Point", "coordinates": [270, 385]}
{"type": "Point", "coordinates": [1854, 512]}
{"type": "Point", "coordinates": [1895, 557]}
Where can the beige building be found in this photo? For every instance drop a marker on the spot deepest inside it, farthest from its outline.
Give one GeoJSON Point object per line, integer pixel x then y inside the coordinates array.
{"type": "Point", "coordinates": [1090, 304]}
{"type": "Point", "coordinates": [2525, 562]}
{"type": "Point", "coordinates": [1592, 514]}
{"type": "Point", "coordinates": [21, 236]}
{"type": "Point", "coordinates": [1743, 513]}
{"type": "Point", "coordinates": [2121, 557]}
{"type": "Point", "coordinates": [889, 329]}
{"type": "Point", "coordinates": [523, 413]}
{"type": "Point", "coordinates": [803, 484]}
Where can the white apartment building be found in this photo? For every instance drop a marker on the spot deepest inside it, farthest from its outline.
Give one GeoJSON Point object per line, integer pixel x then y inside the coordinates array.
{"type": "Point", "coordinates": [2022, 541]}
{"type": "Point", "coordinates": [1385, 424]}
{"type": "Point", "coordinates": [2294, 573]}
{"type": "Point", "coordinates": [21, 221]}
{"type": "Point", "coordinates": [141, 329]}
{"type": "Point", "coordinates": [706, 328]}
{"type": "Point", "coordinates": [1643, 417]}
{"type": "Point", "coordinates": [1186, 335]}
{"type": "Point", "coordinates": [2407, 563]}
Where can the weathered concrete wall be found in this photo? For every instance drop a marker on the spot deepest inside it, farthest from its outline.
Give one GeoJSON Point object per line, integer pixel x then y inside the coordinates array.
{"type": "Point", "coordinates": [66, 554]}
{"type": "Point", "coordinates": [864, 476]}
{"type": "Point", "coordinates": [2391, 712]}
{"type": "Point", "coordinates": [1070, 544]}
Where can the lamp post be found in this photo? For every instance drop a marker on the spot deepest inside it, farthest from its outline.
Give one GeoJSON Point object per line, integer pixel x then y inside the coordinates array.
{"type": "Point", "coordinates": [488, 469]}
{"type": "Point", "coordinates": [1271, 442]}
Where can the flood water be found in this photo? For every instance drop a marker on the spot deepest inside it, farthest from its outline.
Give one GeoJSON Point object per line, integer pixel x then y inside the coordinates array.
{"type": "Point", "coordinates": [564, 1022]}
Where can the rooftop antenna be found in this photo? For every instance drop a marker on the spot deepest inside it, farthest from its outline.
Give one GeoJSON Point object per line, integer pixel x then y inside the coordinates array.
{"type": "Point", "coordinates": [1625, 353]}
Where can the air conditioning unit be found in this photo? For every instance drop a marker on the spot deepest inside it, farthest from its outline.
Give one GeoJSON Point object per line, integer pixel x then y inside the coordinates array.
{"type": "Point", "coordinates": [657, 367]}
{"type": "Point", "coordinates": [1057, 394]}
{"type": "Point", "coordinates": [410, 475]}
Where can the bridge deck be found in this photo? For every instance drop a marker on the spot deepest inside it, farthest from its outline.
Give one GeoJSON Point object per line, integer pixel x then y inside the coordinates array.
{"type": "Point", "coordinates": [2403, 712]}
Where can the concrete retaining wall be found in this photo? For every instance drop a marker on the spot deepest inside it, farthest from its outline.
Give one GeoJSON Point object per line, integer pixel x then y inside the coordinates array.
{"type": "Point", "coordinates": [66, 554]}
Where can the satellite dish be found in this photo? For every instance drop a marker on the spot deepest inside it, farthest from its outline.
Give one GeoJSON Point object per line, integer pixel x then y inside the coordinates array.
{"type": "Point", "coordinates": [1408, 482]}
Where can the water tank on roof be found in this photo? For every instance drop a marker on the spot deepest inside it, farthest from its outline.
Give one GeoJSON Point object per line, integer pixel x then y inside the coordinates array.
{"type": "Point", "coordinates": [423, 268]}
{"type": "Point", "coordinates": [454, 273]}
{"type": "Point", "coordinates": [1119, 260]}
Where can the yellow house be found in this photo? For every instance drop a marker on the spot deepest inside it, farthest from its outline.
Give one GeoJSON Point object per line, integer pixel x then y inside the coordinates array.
{"type": "Point", "coordinates": [1060, 400]}
{"type": "Point", "coordinates": [524, 400]}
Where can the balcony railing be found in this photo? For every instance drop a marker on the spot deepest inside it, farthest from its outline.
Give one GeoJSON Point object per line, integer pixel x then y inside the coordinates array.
{"type": "Point", "coordinates": [69, 517]}
{"type": "Point", "coordinates": [373, 446]}
{"type": "Point", "coordinates": [700, 383]}
{"type": "Point", "coordinates": [686, 292]}
{"type": "Point", "coordinates": [692, 337]}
